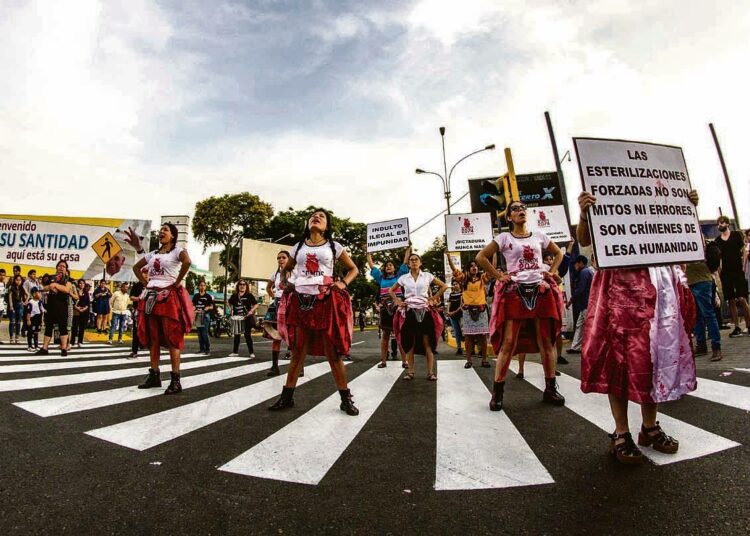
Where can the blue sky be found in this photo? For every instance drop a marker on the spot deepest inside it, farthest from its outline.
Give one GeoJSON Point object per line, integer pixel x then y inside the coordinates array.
{"type": "Point", "coordinates": [151, 106]}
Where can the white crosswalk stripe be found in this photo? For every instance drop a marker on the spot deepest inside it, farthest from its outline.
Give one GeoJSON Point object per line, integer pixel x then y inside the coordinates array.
{"type": "Point", "coordinates": [466, 427]}
{"type": "Point", "coordinates": [87, 377]}
{"type": "Point", "coordinates": [157, 428]}
{"type": "Point", "coordinates": [306, 449]}
{"type": "Point", "coordinates": [728, 394]}
{"type": "Point", "coordinates": [61, 405]}
{"type": "Point", "coordinates": [30, 358]}
{"type": "Point", "coordinates": [65, 365]}
{"type": "Point", "coordinates": [694, 442]}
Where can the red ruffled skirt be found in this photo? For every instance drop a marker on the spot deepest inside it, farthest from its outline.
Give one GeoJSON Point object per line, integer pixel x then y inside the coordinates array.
{"type": "Point", "coordinates": [169, 321]}
{"type": "Point", "coordinates": [508, 305]}
{"type": "Point", "coordinates": [619, 356]}
{"type": "Point", "coordinates": [330, 320]}
{"type": "Point", "coordinates": [410, 332]}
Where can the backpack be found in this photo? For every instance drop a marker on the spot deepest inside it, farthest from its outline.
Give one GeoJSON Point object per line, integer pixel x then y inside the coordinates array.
{"type": "Point", "coordinates": [713, 256]}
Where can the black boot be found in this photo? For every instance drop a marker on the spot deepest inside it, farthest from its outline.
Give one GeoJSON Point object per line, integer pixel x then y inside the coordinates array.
{"type": "Point", "coordinates": [496, 402]}
{"type": "Point", "coordinates": [285, 401]}
{"type": "Point", "coordinates": [174, 385]}
{"type": "Point", "coordinates": [274, 365]}
{"type": "Point", "coordinates": [346, 402]}
{"type": "Point", "coordinates": [152, 380]}
{"type": "Point", "coordinates": [551, 394]}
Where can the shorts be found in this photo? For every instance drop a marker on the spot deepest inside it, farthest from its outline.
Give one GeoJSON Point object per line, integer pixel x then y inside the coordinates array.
{"type": "Point", "coordinates": [734, 285]}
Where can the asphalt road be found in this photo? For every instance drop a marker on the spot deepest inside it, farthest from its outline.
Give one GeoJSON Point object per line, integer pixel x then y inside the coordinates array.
{"type": "Point", "coordinates": [112, 463]}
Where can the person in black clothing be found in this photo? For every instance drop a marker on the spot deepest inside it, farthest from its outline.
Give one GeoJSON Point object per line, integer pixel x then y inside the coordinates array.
{"type": "Point", "coordinates": [204, 302]}
{"type": "Point", "coordinates": [135, 296]}
{"type": "Point", "coordinates": [732, 275]}
{"type": "Point", "coordinates": [59, 291]}
{"type": "Point", "coordinates": [244, 304]}
{"type": "Point", "coordinates": [455, 313]}
{"type": "Point", "coordinates": [80, 313]}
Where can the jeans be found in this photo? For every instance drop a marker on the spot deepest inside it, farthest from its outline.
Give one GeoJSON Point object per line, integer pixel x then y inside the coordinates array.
{"type": "Point", "coordinates": [706, 317]}
{"type": "Point", "coordinates": [14, 316]}
{"type": "Point", "coordinates": [203, 341]}
{"type": "Point", "coordinates": [578, 335]}
{"type": "Point", "coordinates": [456, 325]}
{"type": "Point", "coordinates": [119, 320]}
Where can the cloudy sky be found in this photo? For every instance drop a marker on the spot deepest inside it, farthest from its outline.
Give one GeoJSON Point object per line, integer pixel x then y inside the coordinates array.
{"type": "Point", "coordinates": [139, 108]}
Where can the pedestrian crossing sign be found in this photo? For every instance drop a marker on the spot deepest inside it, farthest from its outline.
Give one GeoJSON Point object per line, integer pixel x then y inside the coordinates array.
{"type": "Point", "coordinates": [106, 247]}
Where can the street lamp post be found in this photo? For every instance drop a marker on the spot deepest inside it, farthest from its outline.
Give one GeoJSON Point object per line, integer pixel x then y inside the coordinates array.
{"type": "Point", "coordinates": [445, 178]}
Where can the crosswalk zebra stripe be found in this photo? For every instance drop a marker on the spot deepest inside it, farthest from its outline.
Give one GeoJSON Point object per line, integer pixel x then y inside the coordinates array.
{"type": "Point", "coordinates": [465, 430]}
{"type": "Point", "coordinates": [157, 428]}
{"type": "Point", "coordinates": [724, 393]}
{"type": "Point", "coordinates": [69, 364]}
{"type": "Point", "coordinates": [306, 449]}
{"type": "Point", "coordinates": [594, 407]}
{"type": "Point", "coordinates": [88, 377]}
{"type": "Point", "coordinates": [31, 358]}
{"type": "Point", "coordinates": [62, 405]}
{"type": "Point", "coordinates": [78, 351]}
{"type": "Point", "coordinates": [22, 346]}
{"type": "Point", "coordinates": [742, 369]}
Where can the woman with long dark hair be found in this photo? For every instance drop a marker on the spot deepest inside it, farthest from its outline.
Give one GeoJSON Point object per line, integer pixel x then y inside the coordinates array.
{"type": "Point", "coordinates": [527, 309]}
{"type": "Point", "coordinates": [16, 299]}
{"type": "Point", "coordinates": [166, 312]}
{"type": "Point", "coordinates": [243, 305]}
{"type": "Point", "coordinates": [80, 313]}
{"type": "Point", "coordinates": [315, 316]}
{"type": "Point", "coordinates": [418, 324]}
{"type": "Point", "coordinates": [386, 278]}
{"type": "Point", "coordinates": [59, 291]}
{"type": "Point", "coordinates": [101, 305]}
{"type": "Point", "coordinates": [476, 316]}
{"type": "Point", "coordinates": [275, 291]}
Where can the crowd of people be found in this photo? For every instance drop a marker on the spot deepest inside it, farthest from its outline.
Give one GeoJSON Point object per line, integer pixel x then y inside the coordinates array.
{"type": "Point", "coordinates": [637, 330]}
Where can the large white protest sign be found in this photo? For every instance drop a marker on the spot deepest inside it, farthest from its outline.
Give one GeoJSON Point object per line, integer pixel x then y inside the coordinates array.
{"type": "Point", "coordinates": [550, 221]}
{"type": "Point", "coordinates": [642, 215]}
{"type": "Point", "coordinates": [468, 232]}
{"type": "Point", "coordinates": [385, 235]}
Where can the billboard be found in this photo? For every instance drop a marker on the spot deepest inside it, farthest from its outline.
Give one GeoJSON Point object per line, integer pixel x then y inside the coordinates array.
{"type": "Point", "coordinates": [258, 258]}
{"type": "Point", "coordinates": [39, 242]}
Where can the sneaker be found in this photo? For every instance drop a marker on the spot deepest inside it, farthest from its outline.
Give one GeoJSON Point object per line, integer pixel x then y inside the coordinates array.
{"type": "Point", "coordinates": [79, 345]}
{"type": "Point", "coordinates": [30, 349]}
{"type": "Point", "coordinates": [109, 341]}
{"type": "Point", "coordinates": [234, 355]}
{"type": "Point", "coordinates": [119, 341]}
{"type": "Point", "coordinates": [132, 355]}
{"type": "Point", "coordinates": [252, 356]}
{"type": "Point", "coordinates": [207, 352]}
{"type": "Point", "coordinates": [64, 353]}
{"type": "Point", "coordinates": [736, 332]}
{"type": "Point", "coordinates": [701, 349]}
{"type": "Point", "coordinates": [347, 358]}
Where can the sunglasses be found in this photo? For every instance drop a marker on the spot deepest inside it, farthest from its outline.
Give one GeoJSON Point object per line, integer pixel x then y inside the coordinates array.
{"type": "Point", "coordinates": [518, 208]}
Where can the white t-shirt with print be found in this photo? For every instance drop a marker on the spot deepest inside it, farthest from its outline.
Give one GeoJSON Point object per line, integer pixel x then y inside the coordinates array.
{"type": "Point", "coordinates": [419, 288]}
{"type": "Point", "coordinates": [314, 268]}
{"type": "Point", "coordinates": [523, 254]}
{"type": "Point", "coordinates": [278, 292]}
{"type": "Point", "coordinates": [163, 268]}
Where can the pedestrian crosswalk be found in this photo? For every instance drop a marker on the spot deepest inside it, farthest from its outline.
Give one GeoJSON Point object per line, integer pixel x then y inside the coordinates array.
{"type": "Point", "coordinates": [306, 449]}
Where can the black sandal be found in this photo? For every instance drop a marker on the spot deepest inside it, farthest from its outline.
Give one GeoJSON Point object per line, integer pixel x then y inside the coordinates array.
{"type": "Point", "coordinates": [627, 451]}
{"type": "Point", "coordinates": [468, 364]}
{"type": "Point", "coordinates": [659, 441]}
{"type": "Point", "coordinates": [382, 364]}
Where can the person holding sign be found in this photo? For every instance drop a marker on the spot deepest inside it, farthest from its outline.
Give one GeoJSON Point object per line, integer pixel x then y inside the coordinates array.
{"type": "Point", "coordinates": [418, 324]}
{"type": "Point", "coordinates": [315, 315]}
{"type": "Point", "coordinates": [636, 344]}
{"type": "Point", "coordinates": [528, 305]}
{"type": "Point", "coordinates": [165, 312]}
{"type": "Point", "coordinates": [476, 325]}
{"type": "Point", "coordinates": [385, 280]}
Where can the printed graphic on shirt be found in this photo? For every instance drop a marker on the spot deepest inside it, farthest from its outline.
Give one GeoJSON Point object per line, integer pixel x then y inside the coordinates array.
{"type": "Point", "coordinates": [156, 269]}
{"type": "Point", "coordinates": [312, 266]}
{"type": "Point", "coordinates": [528, 260]}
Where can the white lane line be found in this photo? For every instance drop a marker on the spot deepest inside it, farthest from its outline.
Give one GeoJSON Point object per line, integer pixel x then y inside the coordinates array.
{"type": "Point", "coordinates": [157, 428]}
{"type": "Point", "coordinates": [724, 393]}
{"type": "Point", "coordinates": [477, 448]}
{"type": "Point", "coordinates": [88, 377]}
{"type": "Point", "coordinates": [594, 407]}
{"type": "Point", "coordinates": [306, 449]}
{"type": "Point", "coordinates": [53, 350]}
{"type": "Point", "coordinates": [742, 369]}
{"type": "Point", "coordinates": [31, 358]}
{"type": "Point", "coordinates": [64, 365]}
{"type": "Point", "coordinates": [62, 405]}
{"type": "Point", "coordinates": [356, 343]}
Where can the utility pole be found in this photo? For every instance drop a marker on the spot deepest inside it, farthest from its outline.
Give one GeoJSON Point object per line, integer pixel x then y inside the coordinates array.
{"type": "Point", "coordinates": [726, 175]}
{"type": "Point", "coordinates": [558, 165]}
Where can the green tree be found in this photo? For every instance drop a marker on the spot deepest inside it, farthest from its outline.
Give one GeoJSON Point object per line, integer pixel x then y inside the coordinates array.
{"type": "Point", "coordinates": [192, 280]}
{"type": "Point", "coordinates": [225, 220]}
{"type": "Point", "coordinates": [433, 258]}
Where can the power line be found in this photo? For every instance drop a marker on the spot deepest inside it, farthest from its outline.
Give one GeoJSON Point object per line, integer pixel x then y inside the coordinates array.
{"type": "Point", "coordinates": [438, 214]}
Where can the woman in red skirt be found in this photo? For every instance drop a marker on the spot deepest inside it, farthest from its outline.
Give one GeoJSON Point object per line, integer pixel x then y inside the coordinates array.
{"type": "Point", "coordinates": [315, 314]}
{"type": "Point", "coordinates": [165, 311]}
{"type": "Point", "coordinates": [528, 305]}
{"type": "Point", "coordinates": [636, 344]}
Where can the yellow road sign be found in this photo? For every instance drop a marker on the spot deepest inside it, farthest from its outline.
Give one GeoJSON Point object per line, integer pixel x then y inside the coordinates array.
{"type": "Point", "coordinates": [106, 247]}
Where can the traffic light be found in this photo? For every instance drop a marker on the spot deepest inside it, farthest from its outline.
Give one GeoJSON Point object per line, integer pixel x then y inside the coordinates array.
{"type": "Point", "coordinates": [495, 195]}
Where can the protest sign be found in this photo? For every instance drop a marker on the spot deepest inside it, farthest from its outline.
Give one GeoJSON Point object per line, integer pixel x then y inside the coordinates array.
{"type": "Point", "coordinates": [468, 232]}
{"type": "Point", "coordinates": [385, 235]}
{"type": "Point", "coordinates": [642, 215]}
{"type": "Point", "coordinates": [550, 221]}
{"type": "Point", "coordinates": [39, 242]}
